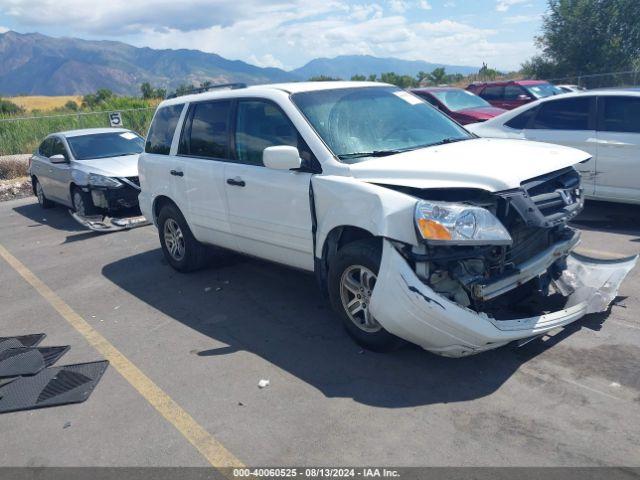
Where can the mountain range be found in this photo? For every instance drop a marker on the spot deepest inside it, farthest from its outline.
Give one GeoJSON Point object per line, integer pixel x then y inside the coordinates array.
{"type": "Point", "coordinates": [36, 64]}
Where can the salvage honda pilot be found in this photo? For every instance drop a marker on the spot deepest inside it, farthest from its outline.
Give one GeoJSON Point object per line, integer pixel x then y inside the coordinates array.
{"type": "Point", "coordinates": [415, 228]}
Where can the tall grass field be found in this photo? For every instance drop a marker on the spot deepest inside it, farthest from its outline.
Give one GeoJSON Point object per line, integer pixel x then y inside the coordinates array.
{"type": "Point", "coordinates": [24, 134]}
{"type": "Point", "coordinates": [43, 103]}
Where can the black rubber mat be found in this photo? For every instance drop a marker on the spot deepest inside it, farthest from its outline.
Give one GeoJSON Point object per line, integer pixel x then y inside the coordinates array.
{"type": "Point", "coordinates": [51, 387]}
{"type": "Point", "coordinates": [22, 341]}
{"type": "Point", "coordinates": [28, 360]}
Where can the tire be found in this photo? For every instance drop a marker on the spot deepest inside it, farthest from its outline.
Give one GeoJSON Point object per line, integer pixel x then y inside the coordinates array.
{"type": "Point", "coordinates": [179, 246]}
{"type": "Point", "coordinates": [39, 193]}
{"type": "Point", "coordinates": [82, 203]}
{"type": "Point", "coordinates": [353, 272]}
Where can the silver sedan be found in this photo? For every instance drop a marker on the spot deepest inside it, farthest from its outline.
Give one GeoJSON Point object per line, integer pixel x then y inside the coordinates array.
{"type": "Point", "coordinates": [92, 171]}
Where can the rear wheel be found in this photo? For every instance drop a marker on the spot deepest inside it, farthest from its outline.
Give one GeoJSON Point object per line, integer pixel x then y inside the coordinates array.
{"type": "Point", "coordinates": [42, 200]}
{"type": "Point", "coordinates": [179, 246]}
{"type": "Point", "coordinates": [353, 274]}
{"type": "Point", "coordinates": [82, 203]}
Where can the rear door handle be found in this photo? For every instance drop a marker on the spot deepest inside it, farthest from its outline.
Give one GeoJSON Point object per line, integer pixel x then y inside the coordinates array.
{"type": "Point", "coordinates": [177, 173]}
{"type": "Point", "coordinates": [236, 182]}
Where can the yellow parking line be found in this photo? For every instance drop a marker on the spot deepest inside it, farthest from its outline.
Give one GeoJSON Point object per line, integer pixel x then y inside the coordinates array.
{"type": "Point", "coordinates": [215, 453]}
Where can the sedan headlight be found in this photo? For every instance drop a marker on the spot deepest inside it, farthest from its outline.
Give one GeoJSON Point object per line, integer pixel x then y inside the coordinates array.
{"type": "Point", "coordinates": [457, 223]}
{"type": "Point", "coordinates": [102, 181]}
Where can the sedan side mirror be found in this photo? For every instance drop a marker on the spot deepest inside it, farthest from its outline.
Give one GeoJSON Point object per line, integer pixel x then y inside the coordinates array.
{"type": "Point", "coordinates": [58, 158]}
{"type": "Point", "coordinates": [281, 157]}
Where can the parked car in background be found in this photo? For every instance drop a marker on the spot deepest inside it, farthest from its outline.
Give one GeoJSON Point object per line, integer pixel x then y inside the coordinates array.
{"type": "Point", "coordinates": [512, 94]}
{"type": "Point", "coordinates": [461, 105]}
{"type": "Point", "coordinates": [414, 227]}
{"type": "Point", "coordinates": [571, 88]}
{"type": "Point", "coordinates": [92, 171]}
{"type": "Point", "coordinates": [604, 123]}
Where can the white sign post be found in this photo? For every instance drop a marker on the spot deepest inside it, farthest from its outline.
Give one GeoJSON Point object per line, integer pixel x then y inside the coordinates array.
{"type": "Point", "coordinates": [115, 119]}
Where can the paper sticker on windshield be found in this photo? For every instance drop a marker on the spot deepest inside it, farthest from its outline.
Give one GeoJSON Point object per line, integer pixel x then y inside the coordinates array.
{"type": "Point", "coordinates": [128, 135]}
{"type": "Point", "coordinates": [407, 97]}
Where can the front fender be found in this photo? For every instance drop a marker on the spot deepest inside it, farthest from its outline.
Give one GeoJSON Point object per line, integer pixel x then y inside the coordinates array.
{"type": "Point", "coordinates": [346, 201]}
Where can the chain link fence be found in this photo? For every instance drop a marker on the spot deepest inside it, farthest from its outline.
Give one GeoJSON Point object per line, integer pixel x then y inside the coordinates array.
{"type": "Point", "coordinates": [629, 78]}
{"type": "Point", "coordinates": [24, 134]}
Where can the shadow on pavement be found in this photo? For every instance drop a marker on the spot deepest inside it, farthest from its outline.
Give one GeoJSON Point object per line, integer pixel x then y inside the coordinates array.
{"type": "Point", "coordinates": [279, 314]}
{"type": "Point", "coordinates": [57, 217]}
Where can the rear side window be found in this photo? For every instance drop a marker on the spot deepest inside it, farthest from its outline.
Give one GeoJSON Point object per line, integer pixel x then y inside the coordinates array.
{"type": "Point", "coordinates": [493, 92]}
{"type": "Point", "coordinates": [521, 121]}
{"type": "Point", "coordinates": [569, 114]}
{"type": "Point", "coordinates": [620, 114]}
{"type": "Point", "coordinates": [206, 132]}
{"type": "Point", "coordinates": [260, 124]}
{"type": "Point", "coordinates": [162, 129]}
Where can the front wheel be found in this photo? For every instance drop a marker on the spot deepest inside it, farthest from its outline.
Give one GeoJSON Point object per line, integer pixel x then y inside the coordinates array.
{"type": "Point", "coordinates": [43, 201]}
{"type": "Point", "coordinates": [352, 277]}
{"type": "Point", "coordinates": [82, 203]}
{"type": "Point", "coordinates": [179, 246]}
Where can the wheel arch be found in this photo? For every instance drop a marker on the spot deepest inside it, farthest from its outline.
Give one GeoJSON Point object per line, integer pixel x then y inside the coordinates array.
{"type": "Point", "coordinates": [159, 202]}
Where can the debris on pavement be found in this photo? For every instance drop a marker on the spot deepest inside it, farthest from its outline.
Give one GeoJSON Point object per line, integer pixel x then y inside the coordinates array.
{"type": "Point", "coordinates": [263, 383]}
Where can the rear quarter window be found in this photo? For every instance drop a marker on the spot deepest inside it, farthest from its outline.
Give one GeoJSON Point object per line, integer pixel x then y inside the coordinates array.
{"type": "Point", "coordinates": [162, 129]}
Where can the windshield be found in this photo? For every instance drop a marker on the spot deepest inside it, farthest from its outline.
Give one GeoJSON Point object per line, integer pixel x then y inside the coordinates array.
{"type": "Point", "coordinates": [543, 90]}
{"type": "Point", "coordinates": [105, 145]}
{"type": "Point", "coordinates": [357, 123]}
{"type": "Point", "coordinates": [456, 100]}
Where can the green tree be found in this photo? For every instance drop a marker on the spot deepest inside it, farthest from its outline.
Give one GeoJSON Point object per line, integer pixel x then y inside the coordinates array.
{"type": "Point", "coordinates": [587, 36]}
{"type": "Point", "coordinates": [147, 90]}
{"type": "Point", "coordinates": [373, 77]}
{"type": "Point", "coordinates": [324, 78]}
{"type": "Point", "coordinates": [71, 105]}
{"type": "Point", "coordinates": [402, 81]}
{"type": "Point", "coordinates": [438, 76]}
{"type": "Point", "coordinates": [358, 78]}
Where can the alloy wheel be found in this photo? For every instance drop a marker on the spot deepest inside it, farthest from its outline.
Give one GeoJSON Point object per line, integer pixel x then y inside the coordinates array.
{"type": "Point", "coordinates": [174, 239]}
{"type": "Point", "coordinates": [356, 286]}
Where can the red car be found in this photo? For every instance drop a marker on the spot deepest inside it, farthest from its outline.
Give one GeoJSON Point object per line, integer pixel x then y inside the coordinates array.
{"type": "Point", "coordinates": [510, 94]}
{"type": "Point", "coordinates": [463, 106]}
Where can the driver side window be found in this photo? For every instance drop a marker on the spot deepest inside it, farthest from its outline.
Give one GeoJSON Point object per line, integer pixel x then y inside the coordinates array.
{"type": "Point", "coordinates": [58, 148]}
{"type": "Point", "coordinates": [45, 147]}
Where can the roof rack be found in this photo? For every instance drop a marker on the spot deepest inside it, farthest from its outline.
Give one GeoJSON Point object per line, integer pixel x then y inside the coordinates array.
{"type": "Point", "coordinates": [231, 86]}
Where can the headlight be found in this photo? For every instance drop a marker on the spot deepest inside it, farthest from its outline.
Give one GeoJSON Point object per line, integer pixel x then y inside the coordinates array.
{"type": "Point", "coordinates": [456, 223]}
{"type": "Point", "coordinates": [102, 181]}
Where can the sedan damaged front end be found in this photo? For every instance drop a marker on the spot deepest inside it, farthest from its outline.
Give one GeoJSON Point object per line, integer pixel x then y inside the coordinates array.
{"type": "Point", "coordinates": [492, 268]}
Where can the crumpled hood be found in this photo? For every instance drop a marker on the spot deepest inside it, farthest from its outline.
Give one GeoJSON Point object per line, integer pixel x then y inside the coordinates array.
{"type": "Point", "coordinates": [485, 163]}
{"type": "Point", "coordinates": [110, 167]}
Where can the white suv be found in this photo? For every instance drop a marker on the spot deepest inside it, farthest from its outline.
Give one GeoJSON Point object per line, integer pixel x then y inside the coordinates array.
{"type": "Point", "coordinates": [414, 227]}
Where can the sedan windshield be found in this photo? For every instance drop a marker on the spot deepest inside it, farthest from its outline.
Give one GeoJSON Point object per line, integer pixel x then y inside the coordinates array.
{"type": "Point", "coordinates": [456, 100]}
{"type": "Point", "coordinates": [105, 145]}
{"type": "Point", "coordinates": [359, 123]}
{"type": "Point", "coordinates": [543, 90]}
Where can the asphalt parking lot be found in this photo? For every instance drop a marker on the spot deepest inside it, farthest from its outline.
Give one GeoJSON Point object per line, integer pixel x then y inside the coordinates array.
{"type": "Point", "coordinates": [206, 339]}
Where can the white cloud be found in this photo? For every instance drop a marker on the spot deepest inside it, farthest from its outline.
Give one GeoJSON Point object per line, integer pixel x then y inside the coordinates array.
{"type": "Point", "coordinates": [504, 5]}
{"type": "Point", "coordinates": [515, 19]}
{"type": "Point", "coordinates": [3, 29]}
{"type": "Point", "coordinates": [449, 4]}
{"type": "Point", "coordinates": [280, 33]}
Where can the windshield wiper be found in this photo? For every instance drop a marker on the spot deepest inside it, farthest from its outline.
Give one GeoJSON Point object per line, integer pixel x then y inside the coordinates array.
{"type": "Point", "coordinates": [447, 140]}
{"type": "Point", "coordinates": [375, 153]}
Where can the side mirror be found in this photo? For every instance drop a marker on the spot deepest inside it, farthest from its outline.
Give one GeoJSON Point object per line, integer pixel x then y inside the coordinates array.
{"type": "Point", "coordinates": [58, 158]}
{"type": "Point", "coordinates": [281, 157]}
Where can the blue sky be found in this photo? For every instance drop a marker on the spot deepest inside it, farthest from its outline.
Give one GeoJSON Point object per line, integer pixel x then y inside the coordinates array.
{"type": "Point", "coordinates": [288, 33]}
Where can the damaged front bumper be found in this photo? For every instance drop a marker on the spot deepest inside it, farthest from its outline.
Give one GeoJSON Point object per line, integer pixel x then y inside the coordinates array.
{"type": "Point", "coordinates": [105, 223]}
{"type": "Point", "coordinates": [408, 308]}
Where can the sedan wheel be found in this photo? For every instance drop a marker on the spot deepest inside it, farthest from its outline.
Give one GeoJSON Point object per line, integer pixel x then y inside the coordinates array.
{"type": "Point", "coordinates": [174, 239]}
{"type": "Point", "coordinates": [356, 285]}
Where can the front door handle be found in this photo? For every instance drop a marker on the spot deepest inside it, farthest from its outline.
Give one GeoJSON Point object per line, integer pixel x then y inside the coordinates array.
{"type": "Point", "coordinates": [177, 173]}
{"type": "Point", "coordinates": [236, 182]}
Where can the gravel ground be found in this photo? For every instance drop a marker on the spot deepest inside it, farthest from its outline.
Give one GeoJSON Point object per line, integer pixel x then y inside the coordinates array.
{"type": "Point", "coordinates": [15, 187]}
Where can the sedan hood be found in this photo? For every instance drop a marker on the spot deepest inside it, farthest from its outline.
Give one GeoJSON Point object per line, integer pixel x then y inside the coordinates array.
{"type": "Point", "coordinates": [126, 166]}
{"type": "Point", "coordinates": [484, 163]}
